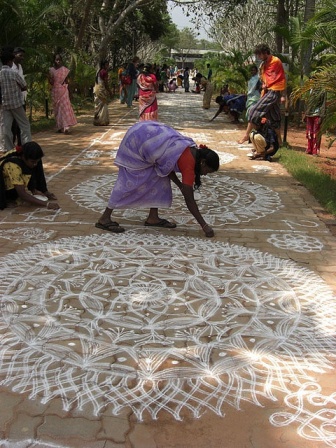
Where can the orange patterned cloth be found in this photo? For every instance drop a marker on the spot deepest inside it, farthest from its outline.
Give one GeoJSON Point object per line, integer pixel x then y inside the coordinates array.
{"type": "Point", "coordinates": [272, 74]}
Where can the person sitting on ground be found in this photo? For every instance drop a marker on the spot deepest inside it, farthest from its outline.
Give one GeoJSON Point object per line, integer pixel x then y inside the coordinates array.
{"type": "Point", "coordinates": [22, 177]}
{"type": "Point", "coordinates": [172, 86]}
{"type": "Point", "coordinates": [231, 104]}
{"type": "Point", "coordinates": [264, 140]}
{"type": "Point", "coordinates": [148, 158]}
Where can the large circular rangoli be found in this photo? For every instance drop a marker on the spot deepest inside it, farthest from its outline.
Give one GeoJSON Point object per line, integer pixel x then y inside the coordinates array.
{"type": "Point", "coordinates": [221, 200]}
{"type": "Point", "coordinates": [159, 323]}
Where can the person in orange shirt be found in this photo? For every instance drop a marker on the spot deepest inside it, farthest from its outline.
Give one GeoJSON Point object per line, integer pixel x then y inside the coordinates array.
{"type": "Point", "coordinates": [273, 79]}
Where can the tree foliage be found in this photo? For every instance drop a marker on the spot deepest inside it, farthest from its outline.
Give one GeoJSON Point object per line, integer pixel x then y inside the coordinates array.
{"type": "Point", "coordinates": [243, 26]}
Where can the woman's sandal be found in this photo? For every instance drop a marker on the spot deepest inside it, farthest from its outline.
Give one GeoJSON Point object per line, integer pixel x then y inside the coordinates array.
{"type": "Point", "coordinates": [110, 227]}
{"type": "Point", "coordinates": [162, 223]}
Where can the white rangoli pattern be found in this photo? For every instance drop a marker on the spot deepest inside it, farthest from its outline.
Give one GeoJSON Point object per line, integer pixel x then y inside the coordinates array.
{"type": "Point", "coordinates": [315, 412]}
{"type": "Point", "coordinates": [222, 200]}
{"type": "Point", "coordinates": [296, 242]}
{"type": "Point", "coordinates": [87, 162]}
{"type": "Point", "coordinates": [262, 168]}
{"type": "Point", "coordinates": [225, 157]}
{"type": "Point", "coordinates": [26, 235]}
{"type": "Point", "coordinates": [41, 214]}
{"type": "Point", "coordinates": [158, 323]}
{"type": "Point", "coordinates": [93, 154]}
{"type": "Point", "coordinates": [29, 443]}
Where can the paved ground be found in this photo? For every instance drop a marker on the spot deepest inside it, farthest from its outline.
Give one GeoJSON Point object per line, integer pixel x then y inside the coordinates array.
{"type": "Point", "coordinates": [167, 339]}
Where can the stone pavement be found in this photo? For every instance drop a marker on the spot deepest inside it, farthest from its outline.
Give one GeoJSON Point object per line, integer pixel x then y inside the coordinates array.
{"type": "Point", "coordinates": [164, 338]}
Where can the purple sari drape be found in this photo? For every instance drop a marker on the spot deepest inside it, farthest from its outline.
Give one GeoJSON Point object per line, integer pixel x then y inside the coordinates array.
{"type": "Point", "coordinates": [147, 155]}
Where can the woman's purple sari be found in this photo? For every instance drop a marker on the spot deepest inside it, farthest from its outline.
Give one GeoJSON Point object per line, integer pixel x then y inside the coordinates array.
{"type": "Point", "coordinates": [147, 155]}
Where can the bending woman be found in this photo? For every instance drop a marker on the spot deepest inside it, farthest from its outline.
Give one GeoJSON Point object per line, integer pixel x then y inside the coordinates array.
{"type": "Point", "coordinates": [22, 177]}
{"type": "Point", "coordinates": [102, 92]}
{"type": "Point", "coordinates": [148, 158]}
{"type": "Point", "coordinates": [148, 86]}
{"type": "Point", "coordinates": [58, 78]}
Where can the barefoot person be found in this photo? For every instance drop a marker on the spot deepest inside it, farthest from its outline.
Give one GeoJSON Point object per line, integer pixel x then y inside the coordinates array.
{"type": "Point", "coordinates": [63, 111]}
{"type": "Point", "coordinates": [22, 177]}
{"type": "Point", "coordinates": [148, 158]}
{"type": "Point", "coordinates": [273, 79]}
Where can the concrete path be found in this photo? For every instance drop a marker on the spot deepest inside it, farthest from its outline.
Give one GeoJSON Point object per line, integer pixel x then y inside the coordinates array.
{"type": "Point", "coordinates": [164, 338]}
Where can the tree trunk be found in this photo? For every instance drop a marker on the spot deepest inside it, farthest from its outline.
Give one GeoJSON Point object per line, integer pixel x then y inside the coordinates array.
{"type": "Point", "coordinates": [306, 54]}
{"type": "Point", "coordinates": [83, 25]}
{"type": "Point", "coordinates": [281, 21]}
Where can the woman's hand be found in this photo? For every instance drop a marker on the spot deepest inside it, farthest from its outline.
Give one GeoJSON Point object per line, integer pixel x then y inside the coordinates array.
{"type": "Point", "coordinates": [209, 233]}
{"type": "Point", "coordinates": [52, 206]}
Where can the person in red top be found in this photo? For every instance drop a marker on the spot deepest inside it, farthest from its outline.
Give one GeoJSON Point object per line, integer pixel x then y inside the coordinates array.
{"type": "Point", "coordinates": [148, 158]}
{"type": "Point", "coordinates": [273, 79]}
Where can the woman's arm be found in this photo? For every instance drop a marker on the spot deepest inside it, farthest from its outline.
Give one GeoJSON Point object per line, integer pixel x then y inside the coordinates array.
{"type": "Point", "coordinates": [25, 196]}
{"type": "Point", "coordinates": [220, 109]}
{"type": "Point", "coordinates": [188, 193]}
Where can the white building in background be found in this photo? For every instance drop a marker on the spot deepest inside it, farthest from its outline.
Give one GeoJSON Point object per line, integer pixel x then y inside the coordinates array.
{"type": "Point", "coordinates": [188, 58]}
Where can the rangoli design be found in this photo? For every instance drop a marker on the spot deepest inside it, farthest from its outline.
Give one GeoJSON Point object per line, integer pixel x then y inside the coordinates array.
{"type": "Point", "coordinates": [222, 200]}
{"type": "Point", "coordinates": [29, 443]}
{"type": "Point", "coordinates": [158, 323]}
{"type": "Point", "coordinates": [26, 235]}
{"type": "Point", "coordinates": [315, 413]}
{"type": "Point", "coordinates": [296, 242]}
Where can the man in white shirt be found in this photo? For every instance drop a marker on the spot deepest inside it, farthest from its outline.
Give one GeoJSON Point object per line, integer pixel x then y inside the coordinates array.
{"type": "Point", "coordinates": [19, 55]}
{"type": "Point", "coordinates": [12, 86]}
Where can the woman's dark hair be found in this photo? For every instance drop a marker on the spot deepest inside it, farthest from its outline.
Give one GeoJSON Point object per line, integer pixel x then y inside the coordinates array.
{"type": "Point", "coordinates": [211, 159]}
{"type": "Point", "coordinates": [102, 63]}
{"type": "Point", "coordinates": [262, 48]}
{"type": "Point", "coordinates": [148, 68]}
{"type": "Point", "coordinates": [32, 151]}
{"type": "Point", "coordinates": [57, 54]}
{"type": "Point", "coordinates": [101, 66]}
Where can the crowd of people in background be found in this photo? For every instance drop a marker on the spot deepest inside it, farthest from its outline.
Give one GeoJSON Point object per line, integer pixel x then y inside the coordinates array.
{"type": "Point", "coordinates": [22, 170]}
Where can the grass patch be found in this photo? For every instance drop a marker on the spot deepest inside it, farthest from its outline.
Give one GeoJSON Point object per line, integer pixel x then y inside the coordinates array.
{"type": "Point", "coordinates": [41, 123]}
{"type": "Point", "coordinates": [304, 169]}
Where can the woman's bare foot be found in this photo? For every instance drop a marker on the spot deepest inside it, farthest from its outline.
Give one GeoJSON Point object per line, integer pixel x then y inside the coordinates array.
{"type": "Point", "coordinates": [243, 140]}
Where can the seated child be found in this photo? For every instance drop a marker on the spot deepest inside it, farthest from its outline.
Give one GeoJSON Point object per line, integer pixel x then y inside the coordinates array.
{"type": "Point", "coordinates": [264, 140]}
{"type": "Point", "coordinates": [172, 86]}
